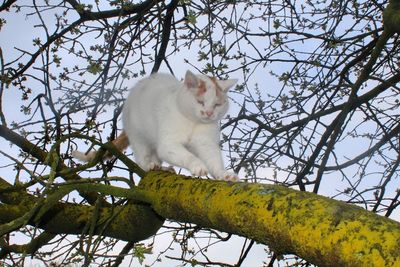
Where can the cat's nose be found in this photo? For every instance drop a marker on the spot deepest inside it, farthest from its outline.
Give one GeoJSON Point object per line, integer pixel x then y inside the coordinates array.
{"type": "Point", "coordinates": [208, 113]}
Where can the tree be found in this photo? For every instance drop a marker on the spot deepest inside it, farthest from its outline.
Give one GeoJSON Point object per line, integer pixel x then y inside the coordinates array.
{"type": "Point", "coordinates": [316, 111]}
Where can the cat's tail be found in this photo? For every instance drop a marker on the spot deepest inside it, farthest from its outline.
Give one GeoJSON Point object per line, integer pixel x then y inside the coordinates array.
{"type": "Point", "coordinates": [121, 143]}
{"type": "Point", "coordinates": [86, 157]}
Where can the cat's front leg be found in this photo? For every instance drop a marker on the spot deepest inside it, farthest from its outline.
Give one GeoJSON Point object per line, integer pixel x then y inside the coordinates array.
{"type": "Point", "coordinates": [176, 154]}
{"type": "Point", "coordinates": [209, 152]}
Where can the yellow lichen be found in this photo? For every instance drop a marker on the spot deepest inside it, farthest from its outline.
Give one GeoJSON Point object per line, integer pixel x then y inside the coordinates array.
{"type": "Point", "coordinates": [320, 230]}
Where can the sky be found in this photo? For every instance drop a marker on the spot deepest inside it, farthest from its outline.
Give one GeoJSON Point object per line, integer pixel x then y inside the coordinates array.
{"type": "Point", "coordinates": [18, 33]}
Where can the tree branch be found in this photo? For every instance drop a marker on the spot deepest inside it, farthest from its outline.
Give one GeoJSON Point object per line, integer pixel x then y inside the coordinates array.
{"type": "Point", "coordinates": [131, 222]}
{"type": "Point", "coordinates": [42, 157]}
{"type": "Point", "coordinates": [322, 231]}
{"type": "Point", "coordinates": [29, 248]}
{"type": "Point", "coordinates": [7, 4]}
{"type": "Point", "coordinates": [166, 32]}
{"type": "Point", "coordinates": [127, 9]}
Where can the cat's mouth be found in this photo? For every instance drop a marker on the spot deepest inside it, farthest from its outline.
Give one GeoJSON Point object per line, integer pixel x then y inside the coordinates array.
{"type": "Point", "coordinates": [206, 119]}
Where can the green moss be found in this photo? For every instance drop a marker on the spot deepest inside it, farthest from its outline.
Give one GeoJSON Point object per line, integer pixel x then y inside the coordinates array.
{"type": "Point", "coordinates": [131, 222]}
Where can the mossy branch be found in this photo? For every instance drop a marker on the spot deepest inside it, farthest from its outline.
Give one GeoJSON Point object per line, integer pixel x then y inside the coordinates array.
{"type": "Point", "coordinates": [131, 222]}
{"type": "Point", "coordinates": [320, 230]}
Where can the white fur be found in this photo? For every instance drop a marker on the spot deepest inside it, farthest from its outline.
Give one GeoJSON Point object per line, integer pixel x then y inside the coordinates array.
{"type": "Point", "coordinates": [84, 157]}
{"type": "Point", "coordinates": [167, 121]}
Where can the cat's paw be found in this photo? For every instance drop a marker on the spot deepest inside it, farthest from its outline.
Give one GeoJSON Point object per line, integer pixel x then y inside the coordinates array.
{"type": "Point", "coordinates": [168, 169]}
{"type": "Point", "coordinates": [198, 169]}
{"type": "Point", "coordinates": [228, 176]}
{"type": "Point", "coordinates": [151, 166]}
{"type": "Point", "coordinates": [157, 167]}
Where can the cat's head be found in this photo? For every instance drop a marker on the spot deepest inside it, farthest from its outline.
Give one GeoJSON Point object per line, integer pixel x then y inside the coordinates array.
{"type": "Point", "coordinates": [207, 96]}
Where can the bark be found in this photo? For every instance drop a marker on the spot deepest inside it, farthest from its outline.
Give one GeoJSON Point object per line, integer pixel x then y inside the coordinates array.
{"type": "Point", "coordinates": [323, 231]}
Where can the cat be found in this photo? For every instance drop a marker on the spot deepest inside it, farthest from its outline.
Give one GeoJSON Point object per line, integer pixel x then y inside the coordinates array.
{"type": "Point", "coordinates": [166, 120]}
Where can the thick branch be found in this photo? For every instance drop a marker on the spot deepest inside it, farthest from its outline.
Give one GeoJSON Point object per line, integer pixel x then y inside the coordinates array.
{"type": "Point", "coordinates": [323, 231]}
{"type": "Point", "coordinates": [131, 222]}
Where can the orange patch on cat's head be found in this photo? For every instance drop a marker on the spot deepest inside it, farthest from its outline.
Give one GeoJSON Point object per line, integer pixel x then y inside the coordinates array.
{"type": "Point", "coordinates": [201, 90]}
{"type": "Point", "coordinates": [218, 88]}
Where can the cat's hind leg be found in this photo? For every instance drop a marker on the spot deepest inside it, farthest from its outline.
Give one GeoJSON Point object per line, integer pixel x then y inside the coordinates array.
{"type": "Point", "coordinates": [145, 156]}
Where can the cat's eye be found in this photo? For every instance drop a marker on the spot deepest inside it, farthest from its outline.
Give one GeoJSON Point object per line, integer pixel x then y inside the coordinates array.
{"type": "Point", "coordinates": [200, 102]}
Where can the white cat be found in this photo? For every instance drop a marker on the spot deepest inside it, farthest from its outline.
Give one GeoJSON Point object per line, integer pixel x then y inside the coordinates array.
{"type": "Point", "coordinates": [169, 121]}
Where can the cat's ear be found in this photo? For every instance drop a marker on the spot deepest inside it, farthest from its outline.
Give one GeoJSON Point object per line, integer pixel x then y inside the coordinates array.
{"type": "Point", "coordinates": [191, 80]}
{"type": "Point", "coordinates": [227, 84]}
